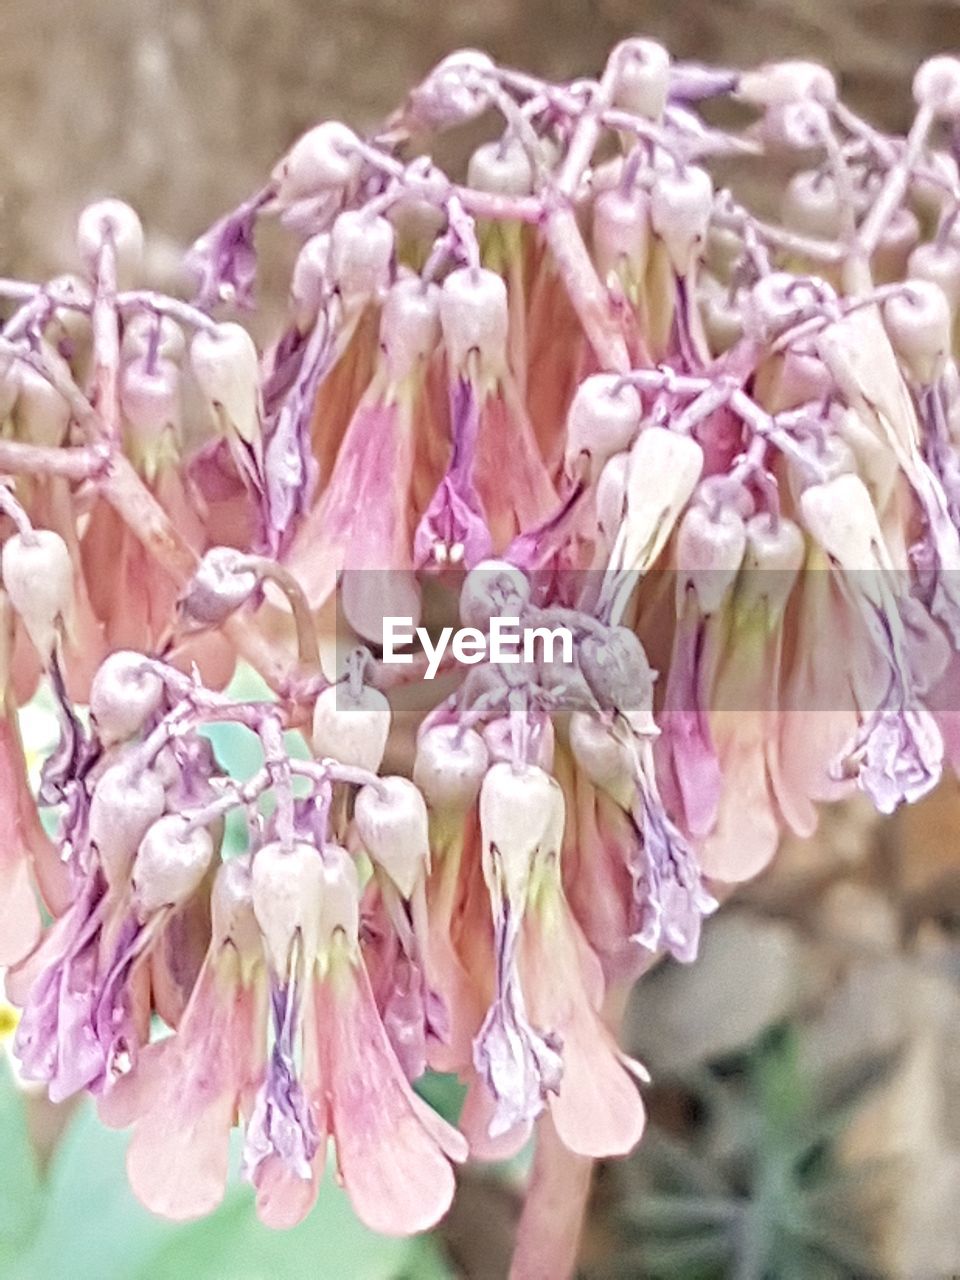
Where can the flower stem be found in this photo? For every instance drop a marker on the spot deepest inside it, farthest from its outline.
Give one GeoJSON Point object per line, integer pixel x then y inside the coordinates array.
{"type": "Point", "coordinates": [548, 1236]}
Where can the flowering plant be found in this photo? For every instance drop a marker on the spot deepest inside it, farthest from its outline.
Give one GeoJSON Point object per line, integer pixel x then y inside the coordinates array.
{"type": "Point", "coordinates": [585, 389]}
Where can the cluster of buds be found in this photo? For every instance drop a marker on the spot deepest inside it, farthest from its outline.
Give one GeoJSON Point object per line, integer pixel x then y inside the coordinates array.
{"type": "Point", "coordinates": [583, 388]}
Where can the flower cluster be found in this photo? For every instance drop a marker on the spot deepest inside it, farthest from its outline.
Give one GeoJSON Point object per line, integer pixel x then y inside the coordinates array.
{"type": "Point", "coordinates": [582, 387]}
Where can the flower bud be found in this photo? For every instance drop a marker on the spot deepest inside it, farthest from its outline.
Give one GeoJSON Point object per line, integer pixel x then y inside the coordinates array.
{"type": "Point", "coordinates": [621, 232]}
{"type": "Point", "coordinates": [124, 694]}
{"type": "Point", "coordinates": [664, 469]}
{"type": "Point", "coordinates": [604, 760]}
{"type": "Point", "coordinates": [172, 860]}
{"type": "Point", "coordinates": [795, 126]}
{"type": "Point", "coordinates": [680, 208]}
{"type": "Point", "coordinates": [225, 365]}
{"type": "Point", "coordinates": [931, 185]}
{"type": "Point", "coordinates": [803, 378]}
{"type": "Point", "coordinates": [493, 589]}
{"type": "Point", "coordinates": [774, 555]}
{"type": "Point", "coordinates": [110, 221]}
{"type": "Point", "coordinates": [287, 891]}
{"type": "Point", "coordinates": [391, 820]}
{"type": "Point", "coordinates": [231, 908]}
{"type": "Point", "coordinates": [940, 265]}
{"type": "Point", "coordinates": [710, 547]}
{"type": "Point", "coordinates": [409, 326]}
{"type": "Point", "coordinates": [779, 83]}
{"type": "Point", "coordinates": [361, 251]}
{"type": "Point", "coordinates": [900, 236]}
{"type": "Point", "coordinates": [615, 667]}
{"type": "Point", "coordinates": [146, 333]}
{"type": "Point", "coordinates": [937, 85]}
{"type": "Point", "coordinates": [41, 415]}
{"type": "Point", "coordinates": [919, 324]}
{"type": "Point", "coordinates": [502, 168]}
{"type": "Point", "coordinates": [812, 204]}
{"type": "Point", "coordinates": [521, 822]}
{"type": "Point", "coordinates": [841, 516]}
{"type": "Point", "coordinates": [611, 499]}
{"type": "Point", "coordinates": [722, 318]}
{"type": "Point", "coordinates": [311, 278]}
{"type": "Point", "coordinates": [325, 159]}
{"type": "Point", "coordinates": [38, 576]}
{"type": "Point", "coordinates": [499, 739]}
{"type": "Point", "coordinates": [150, 397]}
{"type": "Point", "coordinates": [779, 300]}
{"type": "Point", "coordinates": [123, 806]}
{"type": "Point", "coordinates": [353, 731]}
{"type": "Point", "coordinates": [340, 898]}
{"type": "Point", "coordinates": [474, 317]}
{"type": "Point", "coordinates": [218, 588]}
{"type": "Point", "coordinates": [602, 420]}
{"type": "Point", "coordinates": [455, 90]}
{"type": "Point", "coordinates": [449, 767]}
{"type": "Point", "coordinates": [642, 78]}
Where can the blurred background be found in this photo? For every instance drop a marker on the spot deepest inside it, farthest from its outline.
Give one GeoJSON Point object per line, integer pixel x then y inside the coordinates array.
{"type": "Point", "coordinates": [805, 1118]}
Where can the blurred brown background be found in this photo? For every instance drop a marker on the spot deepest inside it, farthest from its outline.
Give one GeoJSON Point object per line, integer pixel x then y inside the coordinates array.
{"type": "Point", "coordinates": [852, 941]}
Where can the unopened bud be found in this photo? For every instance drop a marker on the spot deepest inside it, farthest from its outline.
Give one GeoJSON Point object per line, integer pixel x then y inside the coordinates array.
{"type": "Point", "coordinates": [940, 265]}
{"type": "Point", "coordinates": [172, 859]}
{"type": "Point", "coordinates": [778, 83]}
{"type": "Point", "coordinates": [38, 576]}
{"type": "Point", "coordinates": [621, 232]}
{"type": "Point", "coordinates": [361, 251]}
{"type": "Point", "coordinates": [146, 334]}
{"type": "Point", "coordinates": [111, 222]}
{"type": "Point", "coordinates": [41, 415]}
{"type": "Point", "coordinates": [493, 589]}
{"type": "Point", "coordinates": [602, 420]}
{"type": "Point", "coordinates": [779, 300]}
{"type": "Point", "coordinates": [449, 767]}
{"type": "Point", "coordinates": [391, 820]}
{"type": "Point", "coordinates": [611, 499]}
{"type": "Point", "coordinates": [474, 316]}
{"type": "Point", "coordinates": [900, 237]}
{"type": "Point", "coordinates": [225, 365]}
{"type": "Point", "coordinates": [642, 77]}
{"type": "Point", "coordinates": [502, 168]}
{"type": "Point", "coordinates": [352, 730]}
{"type": "Point", "coordinates": [287, 892]}
{"type": "Point", "coordinates": [919, 324]}
{"type": "Point", "coordinates": [812, 204]}
{"type": "Point", "coordinates": [150, 397]}
{"type": "Point", "coordinates": [710, 547]}
{"type": "Point", "coordinates": [937, 85]}
{"type": "Point", "coordinates": [604, 760]}
{"type": "Point", "coordinates": [311, 278]}
{"type": "Point", "coordinates": [218, 588]}
{"type": "Point", "coordinates": [680, 208]}
{"type": "Point", "coordinates": [776, 549]}
{"type": "Point", "coordinates": [123, 806]}
{"type": "Point", "coordinates": [664, 469]}
{"type": "Point", "coordinates": [231, 908]}
{"type": "Point", "coordinates": [842, 518]}
{"type": "Point", "coordinates": [521, 823]}
{"type": "Point", "coordinates": [340, 899]}
{"type": "Point", "coordinates": [124, 694]}
{"type": "Point", "coordinates": [499, 737]}
{"type": "Point", "coordinates": [455, 91]}
{"type": "Point", "coordinates": [409, 326]}
{"type": "Point", "coordinates": [325, 159]}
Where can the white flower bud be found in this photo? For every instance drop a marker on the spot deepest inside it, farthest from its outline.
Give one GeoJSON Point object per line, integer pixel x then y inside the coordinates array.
{"type": "Point", "coordinates": [115, 222]}
{"type": "Point", "coordinates": [409, 326]}
{"type": "Point", "coordinates": [621, 232]}
{"type": "Point", "coordinates": [38, 576]}
{"type": "Point", "coordinates": [602, 420]}
{"type": "Point", "coordinates": [521, 823]}
{"type": "Point", "coordinates": [604, 760]}
{"type": "Point", "coordinates": [311, 278]}
{"type": "Point", "coordinates": [150, 397]}
{"type": "Point", "coordinates": [779, 83]}
{"type": "Point", "coordinates": [812, 205]}
{"type": "Point", "coordinates": [391, 820]}
{"type": "Point", "coordinates": [721, 315]}
{"type": "Point", "coordinates": [455, 90]}
{"type": "Point", "coordinates": [287, 890]}
{"type": "Point", "coordinates": [225, 365]}
{"type": "Point", "coordinates": [124, 694]}
{"type": "Point", "coordinates": [353, 731]}
{"type": "Point", "coordinates": [937, 85]}
{"type": "Point", "coordinates": [900, 236]}
{"type": "Point", "coordinates": [474, 316]}
{"type": "Point", "coordinates": [449, 767]}
{"type": "Point", "coordinates": [919, 324]}
{"type": "Point", "coordinates": [340, 899]}
{"type": "Point", "coordinates": [492, 589]}
{"type": "Point", "coordinates": [710, 549]}
{"type": "Point", "coordinates": [170, 863]}
{"type": "Point", "coordinates": [940, 264]}
{"type": "Point", "coordinates": [41, 415]}
{"type": "Point", "coordinates": [145, 333]}
{"type": "Point", "coordinates": [500, 740]}
{"type": "Point", "coordinates": [361, 251]}
{"type": "Point", "coordinates": [680, 206]}
{"type": "Point", "coordinates": [231, 908]}
{"type": "Point", "coordinates": [779, 300]}
{"type": "Point", "coordinates": [841, 516]}
{"type": "Point", "coordinates": [502, 168]}
{"type": "Point", "coordinates": [325, 159]}
{"type": "Point", "coordinates": [218, 588]}
{"type": "Point", "coordinates": [642, 78]}
{"type": "Point", "coordinates": [775, 552]}
{"type": "Point", "coordinates": [664, 469]}
{"type": "Point", "coordinates": [123, 806]}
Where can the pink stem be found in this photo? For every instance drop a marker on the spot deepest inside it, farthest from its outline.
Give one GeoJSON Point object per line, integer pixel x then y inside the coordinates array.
{"type": "Point", "coordinates": [548, 1237]}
